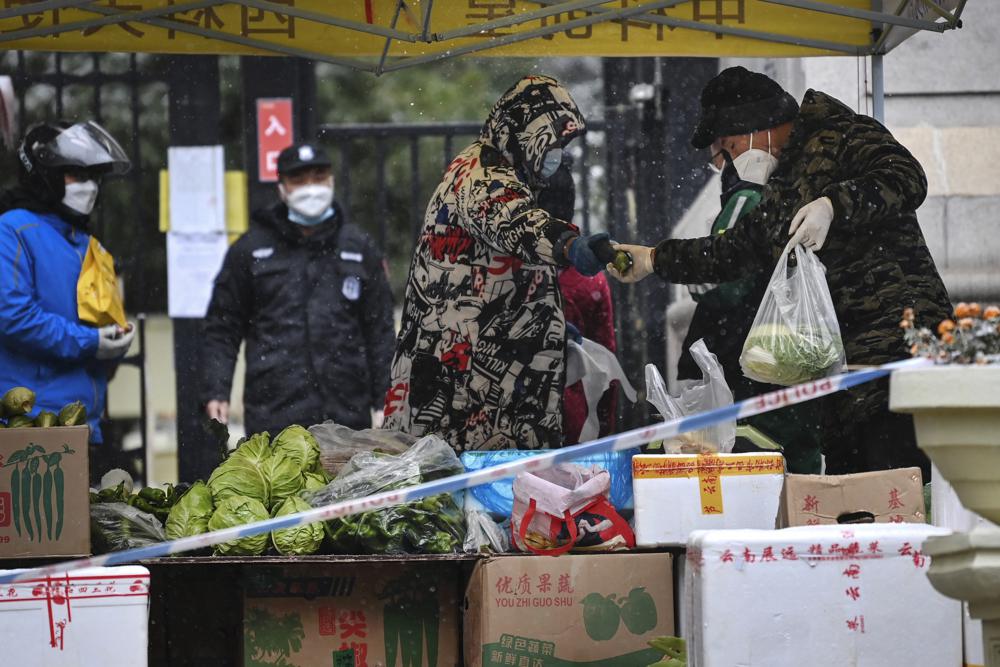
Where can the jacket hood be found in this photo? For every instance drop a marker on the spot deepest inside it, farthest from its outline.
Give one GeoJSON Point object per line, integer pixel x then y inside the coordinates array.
{"type": "Point", "coordinates": [818, 110]}
{"type": "Point", "coordinates": [535, 115]}
{"type": "Point", "coordinates": [275, 217]}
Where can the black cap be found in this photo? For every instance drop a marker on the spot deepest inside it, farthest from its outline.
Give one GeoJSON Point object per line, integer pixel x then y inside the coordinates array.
{"type": "Point", "coordinates": [738, 101]}
{"type": "Point", "coordinates": [299, 156]}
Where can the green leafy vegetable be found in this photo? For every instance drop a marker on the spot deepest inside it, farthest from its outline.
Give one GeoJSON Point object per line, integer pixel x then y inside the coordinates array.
{"type": "Point", "coordinates": [189, 515]}
{"type": "Point", "coordinates": [237, 511]}
{"type": "Point", "coordinates": [240, 476]}
{"type": "Point", "coordinates": [297, 540]}
{"type": "Point", "coordinates": [284, 476]}
{"type": "Point", "coordinates": [776, 354]}
{"type": "Point", "coordinates": [298, 444]}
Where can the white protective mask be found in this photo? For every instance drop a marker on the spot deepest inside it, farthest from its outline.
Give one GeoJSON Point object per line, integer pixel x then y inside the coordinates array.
{"type": "Point", "coordinates": [756, 164]}
{"type": "Point", "coordinates": [81, 197]}
{"type": "Point", "coordinates": [311, 202]}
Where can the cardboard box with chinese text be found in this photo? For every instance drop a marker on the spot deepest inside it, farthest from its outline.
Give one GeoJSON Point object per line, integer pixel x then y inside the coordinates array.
{"type": "Point", "coordinates": [44, 501]}
{"type": "Point", "coordinates": [822, 596]}
{"type": "Point", "coordinates": [883, 496]}
{"type": "Point", "coordinates": [93, 616]}
{"type": "Point", "coordinates": [678, 493]}
{"type": "Point", "coordinates": [352, 614]}
{"type": "Point", "coordinates": [587, 609]}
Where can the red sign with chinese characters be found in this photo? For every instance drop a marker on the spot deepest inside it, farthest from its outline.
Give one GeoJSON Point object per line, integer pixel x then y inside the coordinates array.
{"type": "Point", "coordinates": [274, 134]}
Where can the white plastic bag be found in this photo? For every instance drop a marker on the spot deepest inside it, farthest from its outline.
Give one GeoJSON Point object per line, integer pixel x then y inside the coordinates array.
{"type": "Point", "coordinates": [795, 336]}
{"type": "Point", "coordinates": [696, 396]}
{"type": "Point", "coordinates": [597, 367]}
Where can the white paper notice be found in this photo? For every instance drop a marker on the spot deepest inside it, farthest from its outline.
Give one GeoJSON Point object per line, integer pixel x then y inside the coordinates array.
{"type": "Point", "coordinates": [197, 189]}
{"type": "Point", "coordinates": [193, 260]}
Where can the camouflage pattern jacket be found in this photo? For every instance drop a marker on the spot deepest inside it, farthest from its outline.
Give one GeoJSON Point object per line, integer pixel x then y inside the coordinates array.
{"type": "Point", "coordinates": [876, 259]}
{"type": "Point", "coordinates": [479, 358]}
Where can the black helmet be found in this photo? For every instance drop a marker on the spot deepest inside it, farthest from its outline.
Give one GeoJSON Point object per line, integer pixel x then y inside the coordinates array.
{"type": "Point", "coordinates": [49, 150]}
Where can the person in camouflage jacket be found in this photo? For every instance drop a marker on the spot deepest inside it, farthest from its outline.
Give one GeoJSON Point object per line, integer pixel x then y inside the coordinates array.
{"type": "Point", "coordinates": [877, 262]}
{"type": "Point", "coordinates": [479, 358]}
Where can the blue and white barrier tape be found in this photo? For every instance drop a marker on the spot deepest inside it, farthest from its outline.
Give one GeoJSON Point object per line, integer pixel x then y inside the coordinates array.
{"type": "Point", "coordinates": [544, 459]}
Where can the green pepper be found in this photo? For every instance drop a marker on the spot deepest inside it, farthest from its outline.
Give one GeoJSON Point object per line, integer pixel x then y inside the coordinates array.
{"type": "Point", "coordinates": [153, 496]}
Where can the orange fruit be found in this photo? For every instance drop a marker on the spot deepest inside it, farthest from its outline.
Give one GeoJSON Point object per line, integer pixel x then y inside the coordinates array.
{"type": "Point", "coordinates": [991, 312]}
{"type": "Point", "coordinates": [966, 322]}
{"type": "Point", "coordinates": [962, 310]}
{"type": "Point", "coordinates": [945, 327]}
{"type": "Point", "coordinates": [947, 339]}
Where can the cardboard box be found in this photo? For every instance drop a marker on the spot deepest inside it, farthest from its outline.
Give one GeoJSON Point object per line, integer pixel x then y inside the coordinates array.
{"type": "Point", "coordinates": [885, 496]}
{"type": "Point", "coordinates": [347, 614]}
{"type": "Point", "coordinates": [94, 616]}
{"type": "Point", "coordinates": [577, 609]}
{"type": "Point", "coordinates": [822, 596]}
{"type": "Point", "coordinates": [497, 498]}
{"type": "Point", "coordinates": [678, 493]}
{"type": "Point", "coordinates": [44, 501]}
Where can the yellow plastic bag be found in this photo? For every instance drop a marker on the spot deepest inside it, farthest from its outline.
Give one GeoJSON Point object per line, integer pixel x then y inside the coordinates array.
{"type": "Point", "coordinates": [98, 299]}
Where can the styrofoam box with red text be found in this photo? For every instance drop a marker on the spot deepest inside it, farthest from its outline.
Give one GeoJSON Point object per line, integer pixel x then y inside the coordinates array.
{"type": "Point", "coordinates": [819, 596]}
{"type": "Point", "coordinates": [95, 616]}
{"type": "Point", "coordinates": [678, 493]}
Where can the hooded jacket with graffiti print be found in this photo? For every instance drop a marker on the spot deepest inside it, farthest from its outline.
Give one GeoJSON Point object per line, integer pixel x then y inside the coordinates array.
{"type": "Point", "coordinates": [479, 358]}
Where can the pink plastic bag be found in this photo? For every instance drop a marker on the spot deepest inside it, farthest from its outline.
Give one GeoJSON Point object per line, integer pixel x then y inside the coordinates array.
{"type": "Point", "coordinates": [566, 507]}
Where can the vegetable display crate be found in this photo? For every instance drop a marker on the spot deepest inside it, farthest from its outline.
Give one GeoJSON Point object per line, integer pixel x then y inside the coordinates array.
{"type": "Point", "coordinates": [201, 603]}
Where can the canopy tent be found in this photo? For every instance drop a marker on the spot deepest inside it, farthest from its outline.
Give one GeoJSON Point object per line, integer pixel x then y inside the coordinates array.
{"type": "Point", "coordinates": [387, 35]}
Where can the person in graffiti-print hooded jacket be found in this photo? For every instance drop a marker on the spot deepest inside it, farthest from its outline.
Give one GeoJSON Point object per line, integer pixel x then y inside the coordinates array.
{"type": "Point", "coordinates": [479, 358]}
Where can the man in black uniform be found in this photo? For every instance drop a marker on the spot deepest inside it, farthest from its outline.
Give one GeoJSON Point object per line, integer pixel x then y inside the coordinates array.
{"type": "Point", "coordinates": [308, 293]}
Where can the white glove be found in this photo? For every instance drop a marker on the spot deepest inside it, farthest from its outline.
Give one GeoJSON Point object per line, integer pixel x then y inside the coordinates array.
{"type": "Point", "coordinates": [113, 341]}
{"type": "Point", "coordinates": [642, 263]}
{"type": "Point", "coordinates": [811, 224]}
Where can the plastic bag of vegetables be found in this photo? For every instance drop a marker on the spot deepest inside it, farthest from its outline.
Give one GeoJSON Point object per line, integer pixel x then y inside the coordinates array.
{"type": "Point", "coordinates": [795, 336]}
{"type": "Point", "coordinates": [118, 526]}
{"type": "Point", "coordinates": [429, 525]}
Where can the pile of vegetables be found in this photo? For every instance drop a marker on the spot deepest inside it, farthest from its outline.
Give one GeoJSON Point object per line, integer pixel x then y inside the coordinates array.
{"type": "Point", "coordinates": [265, 478]}
{"type": "Point", "coordinates": [17, 403]}
{"type": "Point", "coordinates": [777, 354]}
{"type": "Point", "coordinates": [123, 519]}
{"type": "Point", "coordinates": [432, 525]}
{"type": "Point", "coordinates": [260, 479]}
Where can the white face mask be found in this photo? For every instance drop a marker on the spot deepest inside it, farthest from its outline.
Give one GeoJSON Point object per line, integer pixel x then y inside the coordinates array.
{"type": "Point", "coordinates": [80, 197]}
{"type": "Point", "coordinates": [756, 165]}
{"type": "Point", "coordinates": [551, 162]}
{"type": "Point", "coordinates": [312, 202]}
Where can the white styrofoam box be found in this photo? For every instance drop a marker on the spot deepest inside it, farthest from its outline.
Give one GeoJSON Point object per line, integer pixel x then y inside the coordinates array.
{"type": "Point", "coordinates": [94, 616]}
{"type": "Point", "coordinates": [678, 493]}
{"type": "Point", "coordinates": [819, 596]}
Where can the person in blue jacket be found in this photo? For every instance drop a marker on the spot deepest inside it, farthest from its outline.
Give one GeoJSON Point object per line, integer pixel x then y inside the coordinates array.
{"type": "Point", "coordinates": [44, 345]}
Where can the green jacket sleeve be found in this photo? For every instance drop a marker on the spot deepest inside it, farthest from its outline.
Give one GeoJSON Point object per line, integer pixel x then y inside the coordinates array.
{"type": "Point", "coordinates": [886, 180]}
{"type": "Point", "coordinates": [717, 258]}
